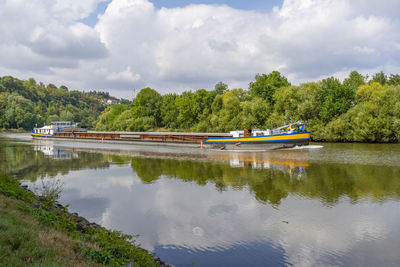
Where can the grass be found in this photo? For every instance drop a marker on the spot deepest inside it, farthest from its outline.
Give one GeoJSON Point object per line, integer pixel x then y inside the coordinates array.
{"type": "Point", "coordinates": [45, 237]}
{"type": "Point", "coordinates": [25, 241]}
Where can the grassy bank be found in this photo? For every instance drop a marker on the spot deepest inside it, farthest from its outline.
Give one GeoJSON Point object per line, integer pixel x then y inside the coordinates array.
{"type": "Point", "coordinates": [34, 232]}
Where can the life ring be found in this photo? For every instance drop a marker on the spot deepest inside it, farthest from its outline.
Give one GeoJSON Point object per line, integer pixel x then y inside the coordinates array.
{"type": "Point", "coordinates": [246, 132]}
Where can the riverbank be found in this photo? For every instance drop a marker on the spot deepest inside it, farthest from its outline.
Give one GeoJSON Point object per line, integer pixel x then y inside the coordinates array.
{"type": "Point", "coordinates": [38, 230]}
{"type": "Point", "coordinates": [3, 130]}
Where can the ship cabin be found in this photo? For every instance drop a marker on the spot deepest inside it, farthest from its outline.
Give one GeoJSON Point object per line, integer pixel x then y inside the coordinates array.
{"type": "Point", "coordinates": [250, 132]}
{"type": "Point", "coordinates": [55, 127]}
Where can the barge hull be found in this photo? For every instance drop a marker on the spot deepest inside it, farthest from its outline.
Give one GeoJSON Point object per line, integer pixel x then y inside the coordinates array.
{"type": "Point", "coordinates": [145, 138]}
{"type": "Point", "coordinates": [221, 141]}
{"type": "Point", "coordinates": [261, 146]}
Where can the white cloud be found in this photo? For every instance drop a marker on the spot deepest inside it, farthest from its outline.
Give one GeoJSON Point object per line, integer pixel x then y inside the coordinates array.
{"type": "Point", "coordinates": [125, 75]}
{"type": "Point", "coordinates": [183, 215]}
{"type": "Point", "coordinates": [197, 45]}
{"type": "Point", "coordinates": [40, 35]}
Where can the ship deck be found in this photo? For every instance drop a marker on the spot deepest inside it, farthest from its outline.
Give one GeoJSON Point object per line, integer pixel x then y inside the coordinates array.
{"type": "Point", "coordinates": [162, 137]}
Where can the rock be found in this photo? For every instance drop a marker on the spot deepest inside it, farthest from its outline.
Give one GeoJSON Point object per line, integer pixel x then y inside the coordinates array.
{"type": "Point", "coordinates": [58, 207]}
{"type": "Point", "coordinates": [36, 205]}
{"type": "Point", "coordinates": [94, 225]}
{"type": "Point", "coordinates": [81, 225]}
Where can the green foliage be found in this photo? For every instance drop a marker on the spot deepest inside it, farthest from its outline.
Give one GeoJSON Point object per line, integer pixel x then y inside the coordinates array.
{"type": "Point", "coordinates": [335, 111]}
{"type": "Point", "coordinates": [265, 86]}
{"type": "Point", "coordinates": [336, 99]}
{"type": "Point", "coordinates": [220, 88]}
{"type": "Point", "coordinates": [379, 77]}
{"type": "Point", "coordinates": [11, 188]}
{"type": "Point", "coordinates": [394, 79]}
{"type": "Point", "coordinates": [374, 119]}
{"type": "Point", "coordinates": [354, 80]}
{"type": "Point", "coordinates": [327, 182]}
{"type": "Point", "coordinates": [108, 117]}
{"type": "Point", "coordinates": [66, 115]}
{"type": "Point", "coordinates": [255, 113]}
{"type": "Point", "coordinates": [227, 118]}
{"type": "Point", "coordinates": [50, 192]}
{"type": "Point", "coordinates": [23, 104]}
{"type": "Point", "coordinates": [147, 104]}
{"type": "Point", "coordinates": [20, 244]}
{"type": "Point", "coordinates": [169, 111]}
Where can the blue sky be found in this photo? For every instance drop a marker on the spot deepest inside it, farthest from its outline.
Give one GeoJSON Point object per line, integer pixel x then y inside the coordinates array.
{"type": "Point", "coordinates": [135, 45]}
{"type": "Point", "coordinates": [255, 5]}
{"type": "Point", "coordinates": [261, 5]}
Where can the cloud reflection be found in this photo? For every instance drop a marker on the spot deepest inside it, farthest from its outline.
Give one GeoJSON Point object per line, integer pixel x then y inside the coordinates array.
{"type": "Point", "coordinates": [174, 215]}
{"type": "Point", "coordinates": [205, 210]}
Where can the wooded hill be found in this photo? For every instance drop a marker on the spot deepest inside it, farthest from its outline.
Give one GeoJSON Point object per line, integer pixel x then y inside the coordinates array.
{"type": "Point", "coordinates": [360, 108]}
{"type": "Point", "coordinates": [23, 104]}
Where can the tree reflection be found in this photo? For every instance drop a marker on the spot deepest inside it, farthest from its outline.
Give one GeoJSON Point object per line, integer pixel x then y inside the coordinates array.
{"type": "Point", "coordinates": [270, 176]}
{"type": "Point", "coordinates": [27, 162]}
{"type": "Point", "coordinates": [327, 182]}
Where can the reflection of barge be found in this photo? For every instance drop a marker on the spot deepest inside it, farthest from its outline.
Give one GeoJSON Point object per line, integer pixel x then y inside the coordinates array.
{"type": "Point", "coordinates": [286, 136]}
{"type": "Point", "coordinates": [56, 153]}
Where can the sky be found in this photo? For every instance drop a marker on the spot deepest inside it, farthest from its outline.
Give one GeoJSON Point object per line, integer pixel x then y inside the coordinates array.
{"type": "Point", "coordinates": [176, 45]}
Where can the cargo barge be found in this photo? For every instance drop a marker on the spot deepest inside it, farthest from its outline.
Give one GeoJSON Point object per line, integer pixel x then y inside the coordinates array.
{"type": "Point", "coordinates": [283, 137]}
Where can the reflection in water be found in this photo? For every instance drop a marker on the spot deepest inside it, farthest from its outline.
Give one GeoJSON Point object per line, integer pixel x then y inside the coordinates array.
{"type": "Point", "coordinates": [292, 207]}
{"type": "Point", "coordinates": [271, 175]}
{"type": "Point", "coordinates": [55, 152]}
{"type": "Point", "coordinates": [292, 162]}
{"type": "Point", "coordinates": [44, 159]}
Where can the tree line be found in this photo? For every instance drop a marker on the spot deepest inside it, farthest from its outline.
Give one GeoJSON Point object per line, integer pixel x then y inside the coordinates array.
{"type": "Point", "coordinates": [361, 108]}
{"type": "Point", "coordinates": [24, 104]}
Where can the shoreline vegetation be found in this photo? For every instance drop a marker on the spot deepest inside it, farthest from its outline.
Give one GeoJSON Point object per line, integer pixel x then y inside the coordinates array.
{"type": "Point", "coordinates": [38, 230]}
{"type": "Point", "coordinates": [358, 109]}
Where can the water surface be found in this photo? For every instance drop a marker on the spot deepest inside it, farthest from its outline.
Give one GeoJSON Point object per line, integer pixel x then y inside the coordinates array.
{"type": "Point", "coordinates": [328, 204]}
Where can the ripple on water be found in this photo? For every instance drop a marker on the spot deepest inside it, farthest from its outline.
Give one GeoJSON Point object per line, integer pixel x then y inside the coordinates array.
{"type": "Point", "coordinates": [258, 253]}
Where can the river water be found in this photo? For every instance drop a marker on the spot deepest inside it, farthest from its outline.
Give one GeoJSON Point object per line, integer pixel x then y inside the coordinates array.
{"type": "Point", "coordinates": [327, 204]}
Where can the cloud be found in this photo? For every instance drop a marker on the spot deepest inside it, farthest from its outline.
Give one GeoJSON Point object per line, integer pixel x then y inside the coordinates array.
{"type": "Point", "coordinates": [125, 75]}
{"type": "Point", "coordinates": [173, 49]}
{"type": "Point", "coordinates": [40, 35]}
{"type": "Point", "coordinates": [181, 215]}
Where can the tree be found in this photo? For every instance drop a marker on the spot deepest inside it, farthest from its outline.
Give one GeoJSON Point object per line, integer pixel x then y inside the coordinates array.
{"type": "Point", "coordinates": [147, 104]}
{"type": "Point", "coordinates": [186, 116]}
{"type": "Point", "coordinates": [66, 115]}
{"type": "Point", "coordinates": [169, 111]}
{"type": "Point", "coordinates": [220, 88]}
{"type": "Point", "coordinates": [336, 99]}
{"type": "Point", "coordinates": [109, 116]}
{"type": "Point", "coordinates": [287, 101]}
{"type": "Point", "coordinates": [265, 86]}
{"type": "Point", "coordinates": [354, 80]}
{"type": "Point", "coordinates": [379, 77]}
{"type": "Point", "coordinates": [51, 86]}
{"type": "Point", "coordinates": [394, 79]}
{"type": "Point", "coordinates": [366, 92]}
{"type": "Point", "coordinates": [228, 118]}
{"type": "Point", "coordinates": [255, 113]}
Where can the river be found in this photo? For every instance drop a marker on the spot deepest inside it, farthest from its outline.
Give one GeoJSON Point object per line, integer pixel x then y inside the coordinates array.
{"type": "Point", "coordinates": [326, 204]}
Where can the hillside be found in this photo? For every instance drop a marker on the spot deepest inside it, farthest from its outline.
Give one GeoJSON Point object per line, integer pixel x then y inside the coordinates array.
{"type": "Point", "coordinates": [24, 104]}
{"type": "Point", "coordinates": [358, 109]}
